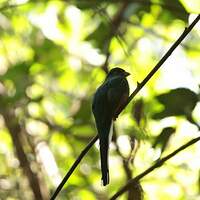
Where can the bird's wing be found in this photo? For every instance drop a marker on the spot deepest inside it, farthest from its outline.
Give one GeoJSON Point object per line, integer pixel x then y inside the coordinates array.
{"type": "Point", "coordinates": [117, 95]}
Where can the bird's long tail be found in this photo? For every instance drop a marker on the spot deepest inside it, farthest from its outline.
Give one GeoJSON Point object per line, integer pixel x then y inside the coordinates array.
{"type": "Point", "coordinates": [104, 144]}
{"type": "Point", "coordinates": [104, 150]}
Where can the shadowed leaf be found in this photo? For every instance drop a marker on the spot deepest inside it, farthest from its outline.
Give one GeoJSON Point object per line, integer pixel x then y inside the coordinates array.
{"type": "Point", "coordinates": [177, 102]}
{"type": "Point", "coordinates": [162, 140]}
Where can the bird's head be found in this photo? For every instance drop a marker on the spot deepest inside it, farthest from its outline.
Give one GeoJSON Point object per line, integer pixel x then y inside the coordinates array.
{"type": "Point", "coordinates": [115, 72]}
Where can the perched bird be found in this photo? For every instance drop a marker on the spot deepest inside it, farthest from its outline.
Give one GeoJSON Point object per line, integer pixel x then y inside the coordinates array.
{"type": "Point", "coordinates": [108, 100]}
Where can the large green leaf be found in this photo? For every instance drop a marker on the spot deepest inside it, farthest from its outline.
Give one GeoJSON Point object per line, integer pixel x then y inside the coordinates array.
{"type": "Point", "coordinates": [180, 101]}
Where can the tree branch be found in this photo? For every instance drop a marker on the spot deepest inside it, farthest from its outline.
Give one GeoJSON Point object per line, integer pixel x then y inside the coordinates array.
{"type": "Point", "coordinates": [138, 88]}
{"type": "Point", "coordinates": [159, 163]}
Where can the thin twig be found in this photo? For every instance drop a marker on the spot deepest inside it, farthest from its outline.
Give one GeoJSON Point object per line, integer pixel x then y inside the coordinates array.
{"type": "Point", "coordinates": [159, 163]}
{"type": "Point", "coordinates": [138, 88]}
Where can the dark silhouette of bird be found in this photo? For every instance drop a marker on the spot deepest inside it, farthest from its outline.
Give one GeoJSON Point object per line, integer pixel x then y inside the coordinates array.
{"type": "Point", "coordinates": [108, 101]}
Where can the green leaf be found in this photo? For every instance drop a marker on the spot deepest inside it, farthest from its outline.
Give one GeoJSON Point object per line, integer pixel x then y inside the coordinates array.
{"type": "Point", "coordinates": [48, 54]}
{"type": "Point", "coordinates": [163, 138]}
{"type": "Point", "coordinates": [101, 35]}
{"type": "Point", "coordinates": [177, 102]}
{"type": "Point", "coordinates": [18, 77]}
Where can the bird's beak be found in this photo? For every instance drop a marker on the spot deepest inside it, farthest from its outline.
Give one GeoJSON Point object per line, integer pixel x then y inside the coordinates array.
{"type": "Point", "coordinates": [126, 74]}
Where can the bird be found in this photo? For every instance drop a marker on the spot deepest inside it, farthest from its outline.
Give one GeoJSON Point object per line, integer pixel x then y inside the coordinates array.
{"type": "Point", "coordinates": [109, 99]}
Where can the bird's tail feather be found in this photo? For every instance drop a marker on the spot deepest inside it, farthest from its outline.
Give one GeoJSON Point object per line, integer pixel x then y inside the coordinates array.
{"type": "Point", "coordinates": [104, 143]}
{"type": "Point", "coordinates": [104, 151]}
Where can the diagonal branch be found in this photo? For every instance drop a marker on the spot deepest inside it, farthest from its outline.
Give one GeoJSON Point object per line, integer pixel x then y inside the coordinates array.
{"type": "Point", "coordinates": [159, 163]}
{"type": "Point", "coordinates": [138, 88]}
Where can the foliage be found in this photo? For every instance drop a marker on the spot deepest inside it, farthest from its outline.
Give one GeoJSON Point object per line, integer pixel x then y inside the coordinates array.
{"type": "Point", "coordinates": [54, 54]}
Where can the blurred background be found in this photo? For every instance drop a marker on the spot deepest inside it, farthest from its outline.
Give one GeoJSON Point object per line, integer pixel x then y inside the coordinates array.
{"type": "Point", "coordinates": [53, 56]}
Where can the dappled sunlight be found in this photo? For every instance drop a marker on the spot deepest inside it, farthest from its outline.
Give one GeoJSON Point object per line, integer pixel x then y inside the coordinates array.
{"type": "Point", "coordinates": [49, 29]}
{"type": "Point", "coordinates": [53, 57]}
{"type": "Point", "coordinates": [177, 73]}
{"type": "Point", "coordinates": [3, 65]}
{"type": "Point", "coordinates": [124, 144]}
{"type": "Point", "coordinates": [173, 191]}
{"type": "Point", "coordinates": [46, 158]}
{"type": "Point", "coordinates": [85, 52]}
{"type": "Point", "coordinates": [34, 127]}
{"type": "Point", "coordinates": [20, 1]}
